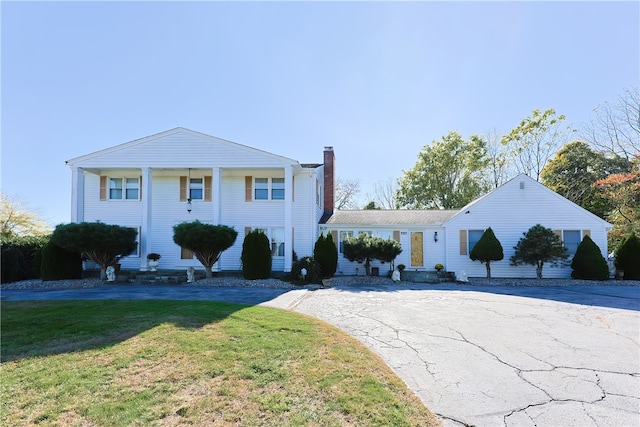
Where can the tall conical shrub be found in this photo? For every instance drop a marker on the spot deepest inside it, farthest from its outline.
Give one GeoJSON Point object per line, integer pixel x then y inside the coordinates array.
{"type": "Point", "coordinates": [588, 262]}
{"type": "Point", "coordinates": [256, 256]}
{"type": "Point", "coordinates": [487, 249]}
{"type": "Point", "coordinates": [627, 257]}
{"type": "Point", "coordinates": [325, 253]}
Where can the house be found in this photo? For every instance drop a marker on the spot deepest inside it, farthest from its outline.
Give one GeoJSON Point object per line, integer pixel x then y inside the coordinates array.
{"type": "Point", "coordinates": [154, 183]}
{"type": "Point", "coordinates": [447, 236]}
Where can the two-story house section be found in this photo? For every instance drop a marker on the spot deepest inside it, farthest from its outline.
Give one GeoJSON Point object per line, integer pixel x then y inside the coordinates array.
{"type": "Point", "coordinates": [154, 183]}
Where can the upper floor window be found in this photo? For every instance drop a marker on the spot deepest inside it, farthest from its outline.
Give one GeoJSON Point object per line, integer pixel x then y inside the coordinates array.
{"type": "Point", "coordinates": [124, 188]}
{"type": "Point", "coordinates": [196, 188]}
{"type": "Point", "coordinates": [268, 189]}
{"type": "Point", "coordinates": [277, 188]}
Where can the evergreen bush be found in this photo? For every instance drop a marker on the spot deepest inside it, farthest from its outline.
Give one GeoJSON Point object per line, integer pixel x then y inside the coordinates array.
{"type": "Point", "coordinates": [487, 249]}
{"type": "Point", "coordinates": [14, 265]}
{"type": "Point", "coordinates": [21, 267]}
{"type": "Point", "coordinates": [588, 263]}
{"type": "Point", "coordinates": [59, 263]}
{"type": "Point", "coordinates": [325, 253]}
{"type": "Point", "coordinates": [627, 257]}
{"type": "Point", "coordinates": [256, 256]}
{"type": "Point", "coordinates": [314, 271]}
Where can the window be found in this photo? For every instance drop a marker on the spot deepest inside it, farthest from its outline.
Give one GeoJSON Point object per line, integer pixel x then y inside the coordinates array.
{"type": "Point", "coordinates": [261, 189]}
{"type": "Point", "coordinates": [268, 189]}
{"type": "Point", "coordinates": [277, 188]}
{"type": "Point", "coordinates": [474, 236]}
{"type": "Point", "coordinates": [276, 239]}
{"type": "Point", "coordinates": [127, 187]}
{"type": "Point", "coordinates": [196, 188]}
{"type": "Point", "coordinates": [571, 240]}
{"type": "Point", "coordinates": [115, 188]}
{"type": "Point", "coordinates": [343, 237]}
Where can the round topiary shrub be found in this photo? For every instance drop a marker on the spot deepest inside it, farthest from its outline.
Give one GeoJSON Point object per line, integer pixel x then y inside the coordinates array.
{"type": "Point", "coordinates": [59, 263]}
{"type": "Point", "coordinates": [256, 256]}
{"type": "Point", "coordinates": [588, 263]}
{"type": "Point", "coordinates": [314, 271]}
{"type": "Point", "coordinates": [627, 257]}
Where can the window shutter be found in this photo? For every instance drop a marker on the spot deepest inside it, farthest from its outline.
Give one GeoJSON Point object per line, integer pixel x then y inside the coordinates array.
{"type": "Point", "coordinates": [248, 184]}
{"type": "Point", "coordinates": [207, 188]}
{"type": "Point", "coordinates": [586, 233]}
{"type": "Point", "coordinates": [334, 234]}
{"type": "Point", "coordinates": [186, 253]}
{"type": "Point", "coordinates": [183, 188]}
{"type": "Point", "coordinates": [396, 235]}
{"type": "Point", "coordinates": [247, 230]}
{"type": "Point", "coordinates": [103, 188]}
{"type": "Point", "coordinates": [463, 242]}
{"type": "Point", "coordinates": [140, 188]}
{"type": "Point", "coordinates": [558, 233]}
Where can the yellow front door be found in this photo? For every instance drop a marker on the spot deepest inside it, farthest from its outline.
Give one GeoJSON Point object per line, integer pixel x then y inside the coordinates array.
{"type": "Point", "coordinates": [417, 257]}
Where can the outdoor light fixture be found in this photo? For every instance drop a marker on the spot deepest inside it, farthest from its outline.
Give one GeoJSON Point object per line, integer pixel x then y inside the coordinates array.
{"type": "Point", "coordinates": [189, 190]}
{"type": "Point", "coordinates": [189, 205]}
{"type": "Point", "coordinates": [435, 236]}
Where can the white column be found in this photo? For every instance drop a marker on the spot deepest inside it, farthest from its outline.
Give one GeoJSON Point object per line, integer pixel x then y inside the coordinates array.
{"type": "Point", "coordinates": [288, 226]}
{"type": "Point", "coordinates": [216, 191]}
{"type": "Point", "coordinates": [145, 229]}
{"type": "Point", "coordinates": [77, 194]}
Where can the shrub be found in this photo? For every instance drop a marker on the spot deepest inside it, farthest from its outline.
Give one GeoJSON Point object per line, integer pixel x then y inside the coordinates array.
{"type": "Point", "coordinates": [539, 245]}
{"type": "Point", "coordinates": [487, 249]}
{"type": "Point", "coordinates": [364, 248]}
{"type": "Point", "coordinates": [256, 256]}
{"type": "Point", "coordinates": [588, 262]}
{"type": "Point", "coordinates": [627, 257]}
{"type": "Point", "coordinates": [325, 253]}
{"type": "Point", "coordinates": [206, 241]}
{"type": "Point", "coordinates": [59, 263]}
{"type": "Point", "coordinates": [27, 265]}
{"type": "Point", "coordinates": [14, 265]}
{"type": "Point", "coordinates": [314, 271]}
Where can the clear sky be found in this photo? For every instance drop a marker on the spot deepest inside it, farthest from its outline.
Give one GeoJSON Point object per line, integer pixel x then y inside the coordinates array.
{"type": "Point", "coordinates": [375, 80]}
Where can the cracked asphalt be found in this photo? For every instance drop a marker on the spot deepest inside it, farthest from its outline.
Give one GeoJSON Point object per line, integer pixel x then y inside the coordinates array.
{"type": "Point", "coordinates": [476, 356]}
{"type": "Point", "coordinates": [499, 356]}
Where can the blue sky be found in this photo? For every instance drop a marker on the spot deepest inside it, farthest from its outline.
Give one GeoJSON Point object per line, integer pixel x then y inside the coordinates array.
{"type": "Point", "coordinates": [375, 80]}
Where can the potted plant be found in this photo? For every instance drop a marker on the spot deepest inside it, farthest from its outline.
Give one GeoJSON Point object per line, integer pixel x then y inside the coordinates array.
{"type": "Point", "coordinates": [439, 268]}
{"type": "Point", "coordinates": [152, 260]}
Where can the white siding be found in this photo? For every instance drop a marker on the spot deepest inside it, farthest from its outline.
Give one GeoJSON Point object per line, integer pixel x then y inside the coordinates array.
{"type": "Point", "coordinates": [511, 211]}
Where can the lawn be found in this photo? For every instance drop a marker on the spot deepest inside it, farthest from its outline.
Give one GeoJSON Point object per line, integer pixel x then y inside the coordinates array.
{"type": "Point", "coordinates": [115, 363]}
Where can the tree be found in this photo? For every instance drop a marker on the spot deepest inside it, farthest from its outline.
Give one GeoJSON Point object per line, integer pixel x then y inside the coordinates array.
{"type": "Point", "coordinates": [325, 253]}
{"type": "Point", "coordinates": [17, 220]}
{"type": "Point", "coordinates": [616, 127]}
{"type": "Point", "coordinates": [487, 249]}
{"type": "Point", "coordinates": [346, 193]}
{"type": "Point", "coordinates": [206, 241]}
{"type": "Point", "coordinates": [256, 256]}
{"type": "Point", "coordinates": [535, 140]}
{"type": "Point", "coordinates": [588, 262]}
{"type": "Point", "coordinates": [365, 248]}
{"type": "Point", "coordinates": [371, 206]}
{"type": "Point", "coordinates": [447, 175]}
{"type": "Point", "coordinates": [539, 245]}
{"type": "Point", "coordinates": [102, 243]}
{"type": "Point", "coordinates": [622, 191]}
{"type": "Point", "coordinates": [500, 164]}
{"type": "Point", "coordinates": [384, 194]}
{"type": "Point", "coordinates": [627, 256]}
{"type": "Point", "coordinates": [574, 170]}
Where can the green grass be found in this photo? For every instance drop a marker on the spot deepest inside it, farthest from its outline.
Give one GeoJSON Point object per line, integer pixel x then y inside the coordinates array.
{"type": "Point", "coordinates": [117, 363]}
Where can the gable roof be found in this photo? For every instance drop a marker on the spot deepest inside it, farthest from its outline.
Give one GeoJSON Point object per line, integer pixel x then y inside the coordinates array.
{"type": "Point", "coordinates": [528, 181]}
{"type": "Point", "coordinates": [178, 146]}
{"type": "Point", "coordinates": [390, 217]}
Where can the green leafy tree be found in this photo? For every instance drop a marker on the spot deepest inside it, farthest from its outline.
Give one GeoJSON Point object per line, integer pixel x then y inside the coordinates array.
{"type": "Point", "coordinates": [371, 206]}
{"type": "Point", "coordinates": [101, 243]}
{"type": "Point", "coordinates": [532, 143]}
{"type": "Point", "coordinates": [588, 262]}
{"type": "Point", "coordinates": [326, 254]}
{"type": "Point", "coordinates": [206, 241]}
{"type": "Point", "coordinates": [627, 257]}
{"type": "Point", "coordinates": [447, 175]}
{"type": "Point", "coordinates": [487, 249]}
{"type": "Point", "coordinates": [574, 170]}
{"type": "Point", "coordinates": [539, 245]}
{"type": "Point", "coordinates": [256, 256]}
{"type": "Point", "coordinates": [364, 248]}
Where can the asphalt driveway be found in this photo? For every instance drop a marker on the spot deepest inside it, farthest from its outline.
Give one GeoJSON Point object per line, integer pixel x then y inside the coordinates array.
{"type": "Point", "coordinates": [484, 356]}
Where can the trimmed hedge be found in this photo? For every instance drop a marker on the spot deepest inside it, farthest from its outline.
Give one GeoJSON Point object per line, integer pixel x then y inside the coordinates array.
{"type": "Point", "coordinates": [627, 257]}
{"type": "Point", "coordinates": [59, 263]}
{"type": "Point", "coordinates": [20, 258]}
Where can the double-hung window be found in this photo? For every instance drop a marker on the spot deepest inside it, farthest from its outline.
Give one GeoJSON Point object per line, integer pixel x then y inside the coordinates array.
{"type": "Point", "coordinates": [277, 188]}
{"type": "Point", "coordinates": [196, 188]}
{"type": "Point", "coordinates": [124, 188]}
{"type": "Point", "coordinates": [262, 189]}
{"type": "Point", "coordinates": [276, 239]}
{"type": "Point", "coordinates": [268, 189]}
{"type": "Point", "coordinates": [474, 236]}
{"type": "Point", "coordinates": [571, 239]}
{"type": "Point", "coordinates": [343, 236]}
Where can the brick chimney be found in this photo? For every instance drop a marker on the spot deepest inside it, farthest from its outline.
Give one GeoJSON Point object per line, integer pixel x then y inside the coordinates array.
{"type": "Point", "coordinates": [329, 181]}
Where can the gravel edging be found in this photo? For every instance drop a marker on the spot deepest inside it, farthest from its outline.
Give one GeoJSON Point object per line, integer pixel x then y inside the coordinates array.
{"type": "Point", "coordinates": [335, 281]}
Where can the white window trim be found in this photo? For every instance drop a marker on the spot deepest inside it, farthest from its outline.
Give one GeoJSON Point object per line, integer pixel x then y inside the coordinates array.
{"type": "Point", "coordinates": [123, 189]}
{"type": "Point", "coordinates": [469, 247]}
{"type": "Point", "coordinates": [201, 189]}
{"type": "Point", "coordinates": [268, 232]}
{"type": "Point", "coordinates": [269, 189]}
